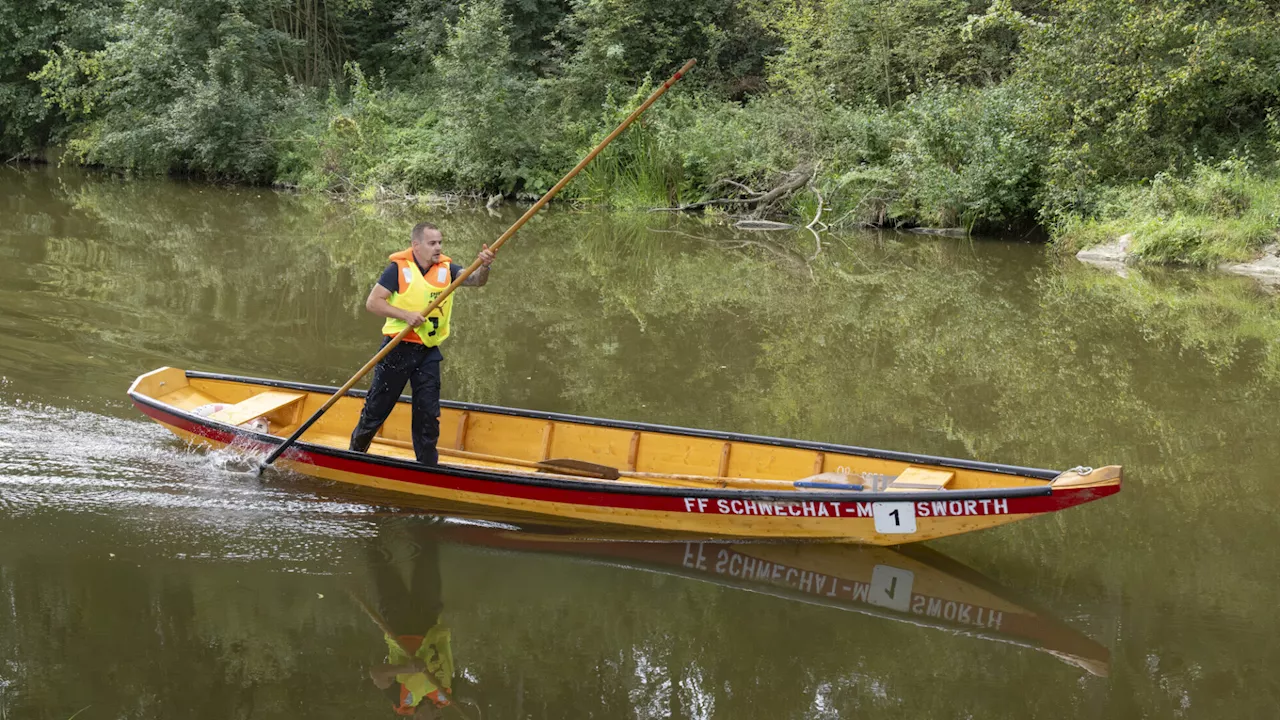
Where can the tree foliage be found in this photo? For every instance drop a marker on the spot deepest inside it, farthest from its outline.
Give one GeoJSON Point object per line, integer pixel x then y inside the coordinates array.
{"type": "Point", "coordinates": [970, 112]}
{"type": "Point", "coordinates": [879, 51]}
{"type": "Point", "coordinates": [482, 101]}
{"type": "Point", "coordinates": [28, 29]}
{"type": "Point", "coordinates": [1130, 89]}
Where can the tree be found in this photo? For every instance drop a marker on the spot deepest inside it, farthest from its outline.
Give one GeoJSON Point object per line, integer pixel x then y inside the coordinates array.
{"type": "Point", "coordinates": [28, 29]}
{"type": "Point", "coordinates": [1130, 89]}
{"type": "Point", "coordinates": [482, 109]}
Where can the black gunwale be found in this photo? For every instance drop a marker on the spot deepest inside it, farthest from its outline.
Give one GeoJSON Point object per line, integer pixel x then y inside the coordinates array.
{"type": "Point", "coordinates": [1038, 473]}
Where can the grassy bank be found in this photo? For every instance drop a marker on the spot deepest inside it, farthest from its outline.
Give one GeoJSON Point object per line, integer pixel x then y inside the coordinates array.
{"type": "Point", "coordinates": [1222, 213]}
{"type": "Point", "coordinates": [946, 158]}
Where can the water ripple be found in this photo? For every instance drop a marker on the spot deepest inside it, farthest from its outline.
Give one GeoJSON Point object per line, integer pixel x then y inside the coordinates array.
{"type": "Point", "coordinates": [70, 461]}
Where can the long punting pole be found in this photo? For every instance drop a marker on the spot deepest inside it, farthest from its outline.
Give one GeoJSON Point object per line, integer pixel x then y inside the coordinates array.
{"type": "Point", "coordinates": [475, 265]}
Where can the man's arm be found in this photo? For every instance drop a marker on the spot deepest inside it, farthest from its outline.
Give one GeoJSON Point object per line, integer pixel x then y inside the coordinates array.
{"type": "Point", "coordinates": [378, 305]}
{"type": "Point", "coordinates": [481, 275]}
{"type": "Point", "coordinates": [477, 278]}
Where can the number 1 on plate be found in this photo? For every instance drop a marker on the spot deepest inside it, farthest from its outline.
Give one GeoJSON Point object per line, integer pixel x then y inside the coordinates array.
{"type": "Point", "coordinates": [894, 518]}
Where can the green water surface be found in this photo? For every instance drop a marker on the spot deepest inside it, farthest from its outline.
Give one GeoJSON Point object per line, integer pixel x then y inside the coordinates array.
{"type": "Point", "coordinates": [138, 579]}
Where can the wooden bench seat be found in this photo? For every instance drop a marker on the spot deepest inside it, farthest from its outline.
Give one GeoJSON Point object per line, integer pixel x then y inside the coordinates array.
{"type": "Point", "coordinates": [271, 402]}
{"type": "Point", "coordinates": [915, 479]}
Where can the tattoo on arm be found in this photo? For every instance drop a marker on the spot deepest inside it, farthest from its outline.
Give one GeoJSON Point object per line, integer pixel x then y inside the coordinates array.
{"type": "Point", "coordinates": [477, 278]}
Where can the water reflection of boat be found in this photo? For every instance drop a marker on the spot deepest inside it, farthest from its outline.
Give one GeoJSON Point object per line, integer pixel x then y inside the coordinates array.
{"type": "Point", "coordinates": [915, 585]}
{"type": "Point", "coordinates": [675, 479]}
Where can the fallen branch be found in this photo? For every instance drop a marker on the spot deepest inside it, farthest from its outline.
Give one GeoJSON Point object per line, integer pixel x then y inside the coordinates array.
{"type": "Point", "coordinates": [817, 218]}
{"type": "Point", "coordinates": [798, 179]}
{"type": "Point", "coordinates": [738, 185]}
{"type": "Point", "coordinates": [874, 194]}
{"type": "Point", "coordinates": [791, 182]}
{"type": "Point", "coordinates": [767, 225]}
{"type": "Point", "coordinates": [710, 203]}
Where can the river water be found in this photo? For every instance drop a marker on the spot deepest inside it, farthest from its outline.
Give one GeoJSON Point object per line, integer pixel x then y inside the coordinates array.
{"type": "Point", "coordinates": [138, 579]}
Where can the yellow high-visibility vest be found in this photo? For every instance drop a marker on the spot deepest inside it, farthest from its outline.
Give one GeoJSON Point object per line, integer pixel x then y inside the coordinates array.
{"type": "Point", "coordinates": [415, 293]}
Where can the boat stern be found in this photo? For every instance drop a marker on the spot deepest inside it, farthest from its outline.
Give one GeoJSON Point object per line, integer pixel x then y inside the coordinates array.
{"type": "Point", "coordinates": [158, 382]}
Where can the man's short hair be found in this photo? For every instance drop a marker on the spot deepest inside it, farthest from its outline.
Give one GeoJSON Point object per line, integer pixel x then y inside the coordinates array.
{"type": "Point", "coordinates": [420, 229]}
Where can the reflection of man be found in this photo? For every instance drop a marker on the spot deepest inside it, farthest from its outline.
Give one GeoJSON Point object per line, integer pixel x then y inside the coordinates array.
{"type": "Point", "coordinates": [417, 676]}
{"type": "Point", "coordinates": [414, 278]}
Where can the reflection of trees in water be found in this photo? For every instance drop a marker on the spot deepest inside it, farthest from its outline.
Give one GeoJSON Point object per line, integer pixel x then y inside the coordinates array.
{"type": "Point", "coordinates": [556, 637]}
{"type": "Point", "coordinates": [145, 643]}
{"type": "Point", "coordinates": [929, 345]}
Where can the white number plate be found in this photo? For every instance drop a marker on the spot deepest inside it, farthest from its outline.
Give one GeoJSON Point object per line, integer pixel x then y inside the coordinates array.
{"type": "Point", "coordinates": [894, 518]}
{"type": "Point", "coordinates": [891, 587]}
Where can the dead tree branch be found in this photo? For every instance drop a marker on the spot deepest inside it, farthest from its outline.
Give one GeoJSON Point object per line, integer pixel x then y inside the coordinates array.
{"type": "Point", "coordinates": [732, 183]}
{"type": "Point", "coordinates": [758, 202]}
{"type": "Point", "coordinates": [817, 220]}
{"type": "Point", "coordinates": [750, 224]}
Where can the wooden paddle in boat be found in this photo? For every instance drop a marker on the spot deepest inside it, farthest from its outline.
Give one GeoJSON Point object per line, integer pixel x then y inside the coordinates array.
{"type": "Point", "coordinates": [475, 265]}
{"type": "Point", "coordinates": [584, 468]}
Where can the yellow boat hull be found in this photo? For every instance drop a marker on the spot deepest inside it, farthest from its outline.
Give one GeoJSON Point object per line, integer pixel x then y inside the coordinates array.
{"type": "Point", "coordinates": [678, 480]}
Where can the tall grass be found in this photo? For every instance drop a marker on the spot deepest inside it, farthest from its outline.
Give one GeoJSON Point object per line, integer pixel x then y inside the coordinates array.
{"type": "Point", "coordinates": [634, 173]}
{"type": "Point", "coordinates": [1222, 212]}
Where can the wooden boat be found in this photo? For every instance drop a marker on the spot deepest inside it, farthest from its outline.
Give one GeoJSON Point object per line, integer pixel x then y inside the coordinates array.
{"type": "Point", "coordinates": [694, 481]}
{"type": "Point", "coordinates": [914, 584]}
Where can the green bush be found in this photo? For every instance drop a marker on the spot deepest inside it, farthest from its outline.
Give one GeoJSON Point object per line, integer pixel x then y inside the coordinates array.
{"type": "Point", "coordinates": [948, 157]}
{"type": "Point", "coordinates": [879, 51]}
{"type": "Point", "coordinates": [155, 100]}
{"type": "Point", "coordinates": [977, 113]}
{"type": "Point", "coordinates": [29, 30]}
{"type": "Point", "coordinates": [484, 122]}
{"type": "Point", "coordinates": [1131, 89]}
{"type": "Point", "coordinates": [962, 160]}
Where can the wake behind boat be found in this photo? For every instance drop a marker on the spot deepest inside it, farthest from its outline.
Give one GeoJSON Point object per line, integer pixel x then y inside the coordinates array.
{"type": "Point", "coordinates": [622, 473]}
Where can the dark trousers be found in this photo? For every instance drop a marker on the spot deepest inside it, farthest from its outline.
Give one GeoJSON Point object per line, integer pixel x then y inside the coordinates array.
{"type": "Point", "coordinates": [419, 366]}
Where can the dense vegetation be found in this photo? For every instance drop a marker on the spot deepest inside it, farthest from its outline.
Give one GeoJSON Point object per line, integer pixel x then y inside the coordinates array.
{"type": "Point", "coordinates": [987, 113]}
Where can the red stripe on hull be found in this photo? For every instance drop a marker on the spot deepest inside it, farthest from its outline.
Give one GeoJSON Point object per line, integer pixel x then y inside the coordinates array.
{"type": "Point", "coordinates": [789, 504]}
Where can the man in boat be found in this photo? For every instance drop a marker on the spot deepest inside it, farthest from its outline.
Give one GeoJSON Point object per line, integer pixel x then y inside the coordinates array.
{"type": "Point", "coordinates": [415, 277]}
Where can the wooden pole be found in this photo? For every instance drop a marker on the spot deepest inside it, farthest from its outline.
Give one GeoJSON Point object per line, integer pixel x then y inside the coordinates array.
{"type": "Point", "coordinates": [475, 265]}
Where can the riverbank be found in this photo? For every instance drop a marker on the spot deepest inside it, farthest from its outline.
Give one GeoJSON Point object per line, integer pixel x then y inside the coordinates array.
{"type": "Point", "coordinates": [988, 350]}
{"type": "Point", "coordinates": [1079, 117]}
{"type": "Point", "coordinates": [1224, 215]}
